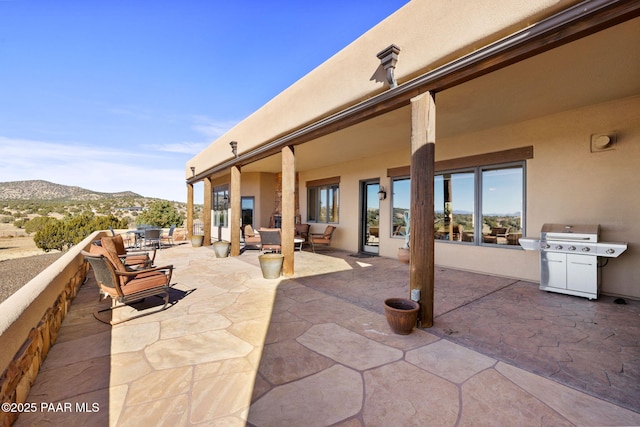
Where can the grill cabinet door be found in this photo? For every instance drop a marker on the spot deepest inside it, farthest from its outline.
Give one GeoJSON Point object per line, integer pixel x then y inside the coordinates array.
{"type": "Point", "coordinates": [582, 273]}
{"type": "Point", "coordinates": [553, 270]}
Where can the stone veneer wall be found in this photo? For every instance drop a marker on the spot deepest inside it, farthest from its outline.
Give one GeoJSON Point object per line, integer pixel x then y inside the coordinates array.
{"type": "Point", "coordinates": [64, 277]}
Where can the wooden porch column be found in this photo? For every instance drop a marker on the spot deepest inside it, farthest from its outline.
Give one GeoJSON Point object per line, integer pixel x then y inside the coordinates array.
{"type": "Point", "coordinates": [236, 209]}
{"type": "Point", "coordinates": [421, 240]}
{"type": "Point", "coordinates": [189, 211]}
{"type": "Point", "coordinates": [208, 205]}
{"type": "Point", "coordinates": [288, 208]}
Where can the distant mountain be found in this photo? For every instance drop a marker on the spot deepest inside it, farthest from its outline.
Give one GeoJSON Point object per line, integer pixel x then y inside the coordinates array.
{"type": "Point", "coordinates": [45, 190]}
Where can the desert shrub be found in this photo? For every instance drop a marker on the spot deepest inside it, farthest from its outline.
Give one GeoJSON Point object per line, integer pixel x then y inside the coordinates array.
{"type": "Point", "coordinates": [71, 230]}
{"type": "Point", "coordinates": [51, 237]}
{"type": "Point", "coordinates": [161, 213]}
{"type": "Point", "coordinates": [19, 223]}
{"type": "Point", "coordinates": [38, 223]}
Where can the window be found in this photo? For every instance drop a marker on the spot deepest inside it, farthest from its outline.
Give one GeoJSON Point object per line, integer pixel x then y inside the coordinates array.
{"type": "Point", "coordinates": [454, 201]}
{"type": "Point", "coordinates": [221, 206]}
{"type": "Point", "coordinates": [502, 204]}
{"type": "Point", "coordinates": [247, 204]}
{"type": "Point", "coordinates": [494, 195]}
{"type": "Point", "coordinates": [323, 201]}
{"type": "Point", "coordinates": [400, 199]}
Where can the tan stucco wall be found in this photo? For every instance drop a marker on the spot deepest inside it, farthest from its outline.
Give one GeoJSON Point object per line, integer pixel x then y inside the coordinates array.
{"type": "Point", "coordinates": [566, 182]}
{"type": "Point", "coordinates": [351, 174]}
{"type": "Point", "coordinates": [261, 186]}
{"type": "Point", "coordinates": [429, 33]}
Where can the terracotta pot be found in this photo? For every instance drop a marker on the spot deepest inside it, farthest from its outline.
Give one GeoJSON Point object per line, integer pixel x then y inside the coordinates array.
{"type": "Point", "coordinates": [221, 249]}
{"type": "Point", "coordinates": [402, 314]}
{"type": "Point", "coordinates": [271, 265]}
{"type": "Point", "coordinates": [403, 255]}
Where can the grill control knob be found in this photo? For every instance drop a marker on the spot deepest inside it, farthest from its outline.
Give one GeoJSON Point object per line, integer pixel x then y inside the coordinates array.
{"type": "Point", "coordinates": [546, 246]}
{"type": "Point", "coordinates": [572, 248]}
{"type": "Point", "coordinates": [586, 249]}
{"type": "Point", "coordinates": [610, 251]}
{"type": "Point", "coordinates": [558, 247]}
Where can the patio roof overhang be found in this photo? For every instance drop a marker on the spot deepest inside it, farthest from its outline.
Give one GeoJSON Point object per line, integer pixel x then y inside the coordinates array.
{"type": "Point", "coordinates": [478, 91]}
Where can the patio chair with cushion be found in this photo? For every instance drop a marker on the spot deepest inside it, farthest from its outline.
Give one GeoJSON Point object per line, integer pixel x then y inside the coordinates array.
{"type": "Point", "coordinates": [302, 232]}
{"type": "Point", "coordinates": [270, 240]}
{"type": "Point", "coordinates": [322, 239]}
{"type": "Point", "coordinates": [133, 259]}
{"type": "Point", "coordinates": [124, 286]}
{"type": "Point", "coordinates": [497, 235]}
{"type": "Point", "coordinates": [251, 239]}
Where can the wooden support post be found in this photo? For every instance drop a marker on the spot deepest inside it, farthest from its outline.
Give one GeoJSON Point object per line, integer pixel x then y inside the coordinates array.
{"type": "Point", "coordinates": [421, 243]}
{"type": "Point", "coordinates": [208, 206]}
{"type": "Point", "coordinates": [189, 211]}
{"type": "Point", "coordinates": [288, 208]}
{"type": "Point", "coordinates": [235, 196]}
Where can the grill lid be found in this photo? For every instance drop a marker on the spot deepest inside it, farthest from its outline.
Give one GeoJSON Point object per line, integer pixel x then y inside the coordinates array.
{"type": "Point", "coordinates": [579, 232]}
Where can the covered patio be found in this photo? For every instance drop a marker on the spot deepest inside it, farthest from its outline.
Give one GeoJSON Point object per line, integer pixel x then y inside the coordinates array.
{"type": "Point", "coordinates": [315, 349]}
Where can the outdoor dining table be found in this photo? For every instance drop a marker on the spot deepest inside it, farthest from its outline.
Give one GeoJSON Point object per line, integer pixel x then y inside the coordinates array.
{"type": "Point", "coordinates": [138, 235]}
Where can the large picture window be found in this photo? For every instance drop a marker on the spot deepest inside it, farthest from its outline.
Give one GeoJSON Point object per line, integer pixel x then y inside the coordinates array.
{"type": "Point", "coordinates": [323, 202]}
{"type": "Point", "coordinates": [481, 205]}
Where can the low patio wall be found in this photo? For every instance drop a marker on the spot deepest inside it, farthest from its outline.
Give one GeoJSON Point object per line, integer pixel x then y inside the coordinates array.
{"type": "Point", "coordinates": [29, 324]}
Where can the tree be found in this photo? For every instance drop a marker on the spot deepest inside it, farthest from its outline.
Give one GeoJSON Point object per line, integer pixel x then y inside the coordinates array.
{"type": "Point", "coordinates": [161, 213]}
{"type": "Point", "coordinates": [51, 237]}
{"type": "Point", "coordinates": [38, 223]}
{"type": "Point", "coordinates": [71, 230]}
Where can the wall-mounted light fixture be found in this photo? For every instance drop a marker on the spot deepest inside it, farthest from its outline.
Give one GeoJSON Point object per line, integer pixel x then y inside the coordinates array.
{"type": "Point", "coordinates": [234, 148]}
{"type": "Point", "coordinates": [388, 59]}
{"type": "Point", "coordinates": [382, 194]}
{"type": "Point", "coordinates": [603, 141]}
{"type": "Point", "coordinates": [193, 171]}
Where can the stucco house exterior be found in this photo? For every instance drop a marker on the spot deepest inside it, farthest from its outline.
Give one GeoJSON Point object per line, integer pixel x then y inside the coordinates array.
{"type": "Point", "coordinates": [485, 119]}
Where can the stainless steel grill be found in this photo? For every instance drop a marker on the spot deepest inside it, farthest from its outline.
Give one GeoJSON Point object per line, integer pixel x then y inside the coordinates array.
{"type": "Point", "coordinates": [569, 257]}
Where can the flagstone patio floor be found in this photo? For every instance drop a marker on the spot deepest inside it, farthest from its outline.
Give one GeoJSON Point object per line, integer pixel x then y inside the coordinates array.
{"type": "Point", "coordinates": [235, 349]}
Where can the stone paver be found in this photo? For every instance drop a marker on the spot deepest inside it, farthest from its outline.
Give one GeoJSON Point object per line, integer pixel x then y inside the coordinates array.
{"type": "Point", "coordinates": [448, 360]}
{"type": "Point", "coordinates": [235, 349]}
{"type": "Point", "coordinates": [401, 394]}
{"type": "Point", "coordinates": [323, 399]}
{"type": "Point", "coordinates": [348, 348]}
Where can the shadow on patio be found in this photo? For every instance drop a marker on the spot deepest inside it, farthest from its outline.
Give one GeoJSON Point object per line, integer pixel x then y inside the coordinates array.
{"type": "Point", "coordinates": [315, 349]}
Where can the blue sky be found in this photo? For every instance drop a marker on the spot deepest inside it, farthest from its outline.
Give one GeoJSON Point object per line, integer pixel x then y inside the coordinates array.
{"type": "Point", "coordinates": [118, 95]}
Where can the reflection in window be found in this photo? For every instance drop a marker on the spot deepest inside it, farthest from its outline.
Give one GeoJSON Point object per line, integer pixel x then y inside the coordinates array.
{"type": "Point", "coordinates": [502, 208]}
{"type": "Point", "coordinates": [454, 198]}
{"type": "Point", "coordinates": [323, 203]}
{"type": "Point", "coordinates": [247, 204]}
{"type": "Point", "coordinates": [221, 206]}
{"type": "Point", "coordinates": [494, 194]}
{"type": "Point", "coordinates": [401, 192]}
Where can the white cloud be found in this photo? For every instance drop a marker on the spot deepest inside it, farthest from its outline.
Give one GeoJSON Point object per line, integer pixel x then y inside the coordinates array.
{"type": "Point", "coordinates": [104, 169]}
{"type": "Point", "coordinates": [211, 128]}
{"type": "Point", "coordinates": [183, 147]}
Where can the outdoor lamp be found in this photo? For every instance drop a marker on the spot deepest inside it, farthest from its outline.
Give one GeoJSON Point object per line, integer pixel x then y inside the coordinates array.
{"type": "Point", "coordinates": [193, 171]}
{"type": "Point", "coordinates": [234, 148]}
{"type": "Point", "coordinates": [382, 194]}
